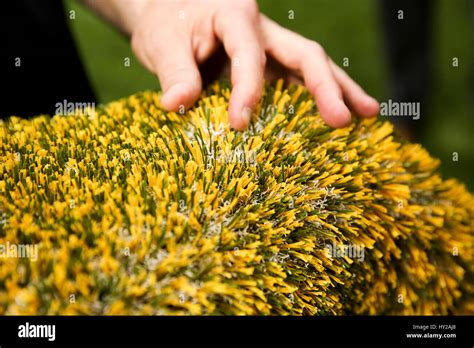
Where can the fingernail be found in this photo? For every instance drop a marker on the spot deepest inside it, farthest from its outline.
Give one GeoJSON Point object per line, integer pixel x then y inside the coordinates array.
{"type": "Point", "coordinates": [373, 105]}
{"type": "Point", "coordinates": [372, 100]}
{"type": "Point", "coordinates": [168, 96]}
{"type": "Point", "coordinates": [341, 117]}
{"type": "Point", "coordinates": [171, 96]}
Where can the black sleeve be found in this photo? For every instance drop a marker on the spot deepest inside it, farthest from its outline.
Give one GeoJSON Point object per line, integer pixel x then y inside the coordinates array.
{"type": "Point", "coordinates": [40, 65]}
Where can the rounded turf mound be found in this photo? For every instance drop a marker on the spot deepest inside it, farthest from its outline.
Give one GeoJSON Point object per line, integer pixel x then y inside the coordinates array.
{"type": "Point", "coordinates": [128, 209]}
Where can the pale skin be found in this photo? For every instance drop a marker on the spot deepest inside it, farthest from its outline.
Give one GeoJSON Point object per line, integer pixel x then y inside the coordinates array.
{"type": "Point", "coordinates": [171, 38]}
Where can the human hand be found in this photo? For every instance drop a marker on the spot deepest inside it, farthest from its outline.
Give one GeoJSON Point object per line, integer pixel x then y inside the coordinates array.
{"type": "Point", "coordinates": [172, 38]}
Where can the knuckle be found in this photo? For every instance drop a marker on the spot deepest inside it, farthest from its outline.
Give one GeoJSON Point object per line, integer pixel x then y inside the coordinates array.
{"type": "Point", "coordinates": [135, 43]}
{"type": "Point", "coordinates": [316, 86]}
{"type": "Point", "coordinates": [249, 8]}
{"type": "Point", "coordinates": [178, 74]}
{"type": "Point", "coordinates": [249, 5]}
{"type": "Point", "coordinates": [314, 48]}
{"type": "Point", "coordinates": [150, 43]}
{"type": "Point", "coordinates": [137, 40]}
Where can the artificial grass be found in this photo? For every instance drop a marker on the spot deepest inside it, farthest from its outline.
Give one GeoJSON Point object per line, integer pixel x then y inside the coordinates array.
{"type": "Point", "coordinates": [139, 211]}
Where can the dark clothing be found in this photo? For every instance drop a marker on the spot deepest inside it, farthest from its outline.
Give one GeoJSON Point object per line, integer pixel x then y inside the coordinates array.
{"type": "Point", "coordinates": [409, 46]}
{"type": "Point", "coordinates": [50, 69]}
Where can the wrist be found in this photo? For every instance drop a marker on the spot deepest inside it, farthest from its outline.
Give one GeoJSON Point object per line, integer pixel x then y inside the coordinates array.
{"type": "Point", "coordinates": [130, 13]}
{"type": "Point", "coordinates": [124, 14]}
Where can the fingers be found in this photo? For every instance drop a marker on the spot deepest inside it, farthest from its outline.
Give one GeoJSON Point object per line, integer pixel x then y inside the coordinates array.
{"type": "Point", "coordinates": [322, 84]}
{"type": "Point", "coordinates": [310, 60]}
{"type": "Point", "coordinates": [179, 76]}
{"type": "Point", "coordinates": [175, 66]}
{"type": "Point", "coordinates": [243, 44]}
{"type": "Point", "coordinates": [246, 36]}
{"type": "Point", "coordinates": [359, 101]}
{"type": "Point", "coordinates": [327, 82]}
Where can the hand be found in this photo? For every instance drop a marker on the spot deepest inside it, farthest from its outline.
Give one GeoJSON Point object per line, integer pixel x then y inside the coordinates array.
{"type": "Point", "coordinates": [172, 38]}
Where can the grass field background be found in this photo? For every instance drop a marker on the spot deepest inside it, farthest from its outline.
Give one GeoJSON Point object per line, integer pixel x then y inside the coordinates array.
{"type": "Point", "coordinates": [346, 28]}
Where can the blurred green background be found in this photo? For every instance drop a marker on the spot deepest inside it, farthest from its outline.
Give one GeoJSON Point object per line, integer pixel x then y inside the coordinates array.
{"type": "Point", "coordinates": [345, 28]}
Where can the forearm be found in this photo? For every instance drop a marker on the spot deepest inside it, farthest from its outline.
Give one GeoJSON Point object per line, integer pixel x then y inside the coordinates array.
{"type": "Point", "coordinates": [123, 14]}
